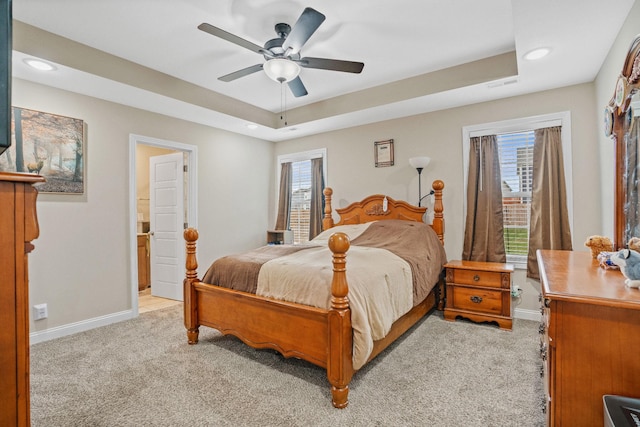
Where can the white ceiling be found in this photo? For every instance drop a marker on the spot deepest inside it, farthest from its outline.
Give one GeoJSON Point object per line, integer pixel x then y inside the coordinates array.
{"type": "Point", "coordinates": [396, 40]}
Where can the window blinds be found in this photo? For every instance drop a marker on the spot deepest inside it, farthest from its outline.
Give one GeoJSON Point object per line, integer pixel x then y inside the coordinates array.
{"type": "Point", "coordinates": [300, 200]}
{"type": "Point", "coordinates": [516, 167]}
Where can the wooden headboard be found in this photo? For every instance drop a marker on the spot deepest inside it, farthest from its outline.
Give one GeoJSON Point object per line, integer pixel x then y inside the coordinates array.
{"type": "Point", "coordinates": [372, 209]}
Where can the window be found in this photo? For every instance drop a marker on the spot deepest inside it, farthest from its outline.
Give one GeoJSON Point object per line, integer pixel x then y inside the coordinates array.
{"type": "Point", "coordinates": [300, 204]}
{"type": "Point", "coordinates": [300, 200]}
{"type": "Point", "coordinates": [515, 140]}
{"type": "Point", "coordinates": [516, 169]}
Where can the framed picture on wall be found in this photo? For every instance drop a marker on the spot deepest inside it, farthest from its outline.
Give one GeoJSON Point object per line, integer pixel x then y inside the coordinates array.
{"type": "Point", "coordinates": [383, 153]}
{"type": "Point", "coordinates": [49, 145]}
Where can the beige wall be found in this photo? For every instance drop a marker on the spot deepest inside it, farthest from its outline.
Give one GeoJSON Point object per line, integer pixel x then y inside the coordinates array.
{"type": "Point", "coordinates": [80, 266]}
{"type": "Point", "coordinates": [352, 174]}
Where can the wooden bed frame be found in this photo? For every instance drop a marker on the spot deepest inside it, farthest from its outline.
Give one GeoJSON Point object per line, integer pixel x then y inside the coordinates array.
{"type": "Point", "coordinates": [320, 336]}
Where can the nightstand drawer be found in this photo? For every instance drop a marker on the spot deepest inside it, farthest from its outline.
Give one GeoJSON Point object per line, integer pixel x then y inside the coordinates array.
{"type": "Point", "coordinates": [475, 299]}
{"type": "Point", "coordinates": [485, 279]}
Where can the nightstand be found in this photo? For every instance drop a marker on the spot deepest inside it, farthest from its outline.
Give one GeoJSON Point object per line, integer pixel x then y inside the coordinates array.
{"type": "Point", "coordinates": [275, 237]}
{"type": "Point", "coordinates": [479, 291]}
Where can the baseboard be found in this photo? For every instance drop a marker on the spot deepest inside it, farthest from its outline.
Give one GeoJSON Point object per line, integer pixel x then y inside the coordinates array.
{"type": "Point", "coordinates": [525, 314]}
{"type": "Point", "coordinates": [74, 328]}
{"type": "Point", "coordinates": [96, 322]}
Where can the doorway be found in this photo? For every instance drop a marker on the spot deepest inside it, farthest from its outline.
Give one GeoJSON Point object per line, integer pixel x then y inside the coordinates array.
{"type": "Point", "coordinates": [142, 151]}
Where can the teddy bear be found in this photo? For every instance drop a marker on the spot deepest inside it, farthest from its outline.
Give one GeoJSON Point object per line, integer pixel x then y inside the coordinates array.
{"type": "Point", "coordinates": [629, 263]}
{"type": "Point", "coordinates": [634, 244]}
{"type": "Point", "coordinates": [599, 244]}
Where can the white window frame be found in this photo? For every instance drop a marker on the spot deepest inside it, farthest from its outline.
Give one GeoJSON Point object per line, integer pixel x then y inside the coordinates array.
{"type": "Point", "coordinates": [518, 125]}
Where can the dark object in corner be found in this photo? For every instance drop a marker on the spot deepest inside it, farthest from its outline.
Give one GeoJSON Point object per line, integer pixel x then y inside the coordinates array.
{"type": "Point", "coordinates": [5, 74]}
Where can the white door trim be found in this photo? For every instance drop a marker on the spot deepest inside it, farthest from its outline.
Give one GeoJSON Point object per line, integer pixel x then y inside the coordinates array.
{"type": "Point", "coordinates": [192, 209]}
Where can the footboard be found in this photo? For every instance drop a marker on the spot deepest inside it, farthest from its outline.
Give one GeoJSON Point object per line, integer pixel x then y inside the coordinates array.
{"type": "Point", "coordinates": [322, 337]}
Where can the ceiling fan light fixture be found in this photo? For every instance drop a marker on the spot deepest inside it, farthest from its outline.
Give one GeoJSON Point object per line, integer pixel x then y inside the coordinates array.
{"type": "Point", "coordinates": [281, 70]}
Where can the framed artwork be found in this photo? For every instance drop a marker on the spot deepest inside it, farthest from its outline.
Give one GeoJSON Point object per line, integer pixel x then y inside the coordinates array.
{"type": "Point", "coordinates": [49, 145]}
{"type": "Point", "coordinates": [383, 153]}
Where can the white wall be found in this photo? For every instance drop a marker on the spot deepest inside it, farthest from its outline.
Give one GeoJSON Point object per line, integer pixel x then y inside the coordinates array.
{"type": "Point", "coordinates": [80, 265]}
{"type": "Point", "coordinates": [352, 173]}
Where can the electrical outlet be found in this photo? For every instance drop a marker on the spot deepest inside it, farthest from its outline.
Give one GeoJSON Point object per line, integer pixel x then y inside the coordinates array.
{"type": "Point", "coordinates": [516, 291]}
{"type": "Point", "coordinates": [40, 311]}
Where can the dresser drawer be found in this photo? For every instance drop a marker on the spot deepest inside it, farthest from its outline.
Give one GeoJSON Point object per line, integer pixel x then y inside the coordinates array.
{"type": "Point", "coordinates": [485, 279]}
{"type": "Point", "coordinates": [476, 299]}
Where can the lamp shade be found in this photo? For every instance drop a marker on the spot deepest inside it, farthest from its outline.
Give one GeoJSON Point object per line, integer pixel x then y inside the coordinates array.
{"type": "Point", "coordinates": [419, 162]}
{"type": "Point", "coordinates": [281, 70]}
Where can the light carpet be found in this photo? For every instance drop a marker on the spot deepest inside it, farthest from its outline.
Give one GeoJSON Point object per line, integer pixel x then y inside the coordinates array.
{"type": "Point", "coordinates": [142, 372]}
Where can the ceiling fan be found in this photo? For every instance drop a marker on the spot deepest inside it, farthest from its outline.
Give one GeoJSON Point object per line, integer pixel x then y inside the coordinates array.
{"type": "Point", "coordinates": [282, 54]}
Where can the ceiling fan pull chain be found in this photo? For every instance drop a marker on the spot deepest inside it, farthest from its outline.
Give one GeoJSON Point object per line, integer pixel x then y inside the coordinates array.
{"type": "Point", "coordinates": [283, 104]}
{"type": "Point", "coordinates": [284, 92]}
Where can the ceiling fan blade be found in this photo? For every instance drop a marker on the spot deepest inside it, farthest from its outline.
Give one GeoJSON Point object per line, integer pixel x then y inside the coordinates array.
{"type": "Point", "coordinates": [241, 73]}
{"type": "Point", "coordinates": [331, 64]}
{"type": "Point", "coordinates": [215, 31]}
{"type": "Point", "coordinates": [303, 29]}
{"type": "Point", "coordinates": [297, 87]}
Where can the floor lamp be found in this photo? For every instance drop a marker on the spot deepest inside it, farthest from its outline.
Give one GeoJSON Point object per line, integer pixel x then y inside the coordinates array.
{"type": "Point", "coordinates": [420, 163]}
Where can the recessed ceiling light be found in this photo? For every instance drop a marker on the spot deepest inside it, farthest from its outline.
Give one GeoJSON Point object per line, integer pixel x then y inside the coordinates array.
{"type": "Point", "coordinates": [538, 53]}
{"type": "Point", "coordinates": [39, 64]}
{"type": "Point", "coordinates": [252, 126]}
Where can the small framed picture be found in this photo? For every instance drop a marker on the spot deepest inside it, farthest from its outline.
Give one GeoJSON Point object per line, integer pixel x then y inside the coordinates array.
{"type": "Point", "coordinates": [383, 153]}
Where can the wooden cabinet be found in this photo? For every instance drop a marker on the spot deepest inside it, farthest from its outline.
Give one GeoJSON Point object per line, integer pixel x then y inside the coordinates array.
{"type": "Point", "coordinates": [479, 291]}
{"type": "Point", "coordinates": [590, 337]}
{"type": "Point", "coordinates": [18, 227]}
{"type": "Point", "coordinates": [144, 262]}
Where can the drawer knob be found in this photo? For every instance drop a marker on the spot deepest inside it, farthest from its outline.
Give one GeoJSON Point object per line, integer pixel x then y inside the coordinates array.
{"type": "Point", "coordinates": [476, 299]}
{"type": "Point", "coordinates": [476, 278]}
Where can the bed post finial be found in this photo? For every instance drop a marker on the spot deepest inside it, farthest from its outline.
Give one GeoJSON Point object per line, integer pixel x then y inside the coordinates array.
{"type": "Point", "coordinates": [340, 363]}
{"type": "Point", "coordinates": [327, 220]}
{"type": "Point", "coordinates": [438, 208]}
{"type": "Point", "coordinates": [191, 264]}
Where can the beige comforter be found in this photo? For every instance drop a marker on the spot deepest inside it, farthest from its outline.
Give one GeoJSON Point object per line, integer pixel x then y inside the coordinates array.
{"type": "Point", "coordinates": [383, 285]}
{"type": "Point", "coordinates": [392, 265]}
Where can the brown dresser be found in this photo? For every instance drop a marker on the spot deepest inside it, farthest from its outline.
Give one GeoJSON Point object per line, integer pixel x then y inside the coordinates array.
{"type": "Point", "coordinates": [18, 227]}
{"type": "Point", "coordinates": [479, 291]}
{"type": "Point", "coordinates": [590, 337]}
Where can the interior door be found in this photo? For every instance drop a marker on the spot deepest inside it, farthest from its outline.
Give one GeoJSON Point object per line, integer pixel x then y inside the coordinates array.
{"type": "Point", "coordinates": [166, 209]}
